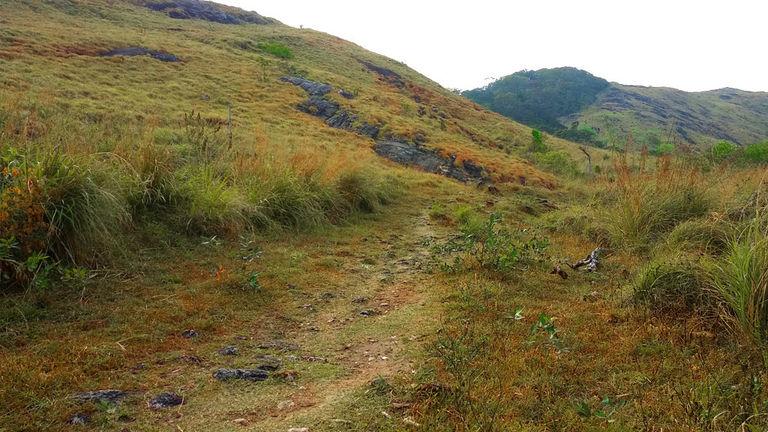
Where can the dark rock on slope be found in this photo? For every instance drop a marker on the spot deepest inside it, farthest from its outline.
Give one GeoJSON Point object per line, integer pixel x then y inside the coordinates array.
{"type": "Point", "coordinates": [166, 400]}
{"type": "Point", "coordinates": [241, 374]}
{"type": "Point", "coordinates": [320, 105]}
{"type": "Point", "coordinates": [140, 51]}
{"type": "Point", "coordinates": [429, 160]}
{"type": "Point", "coordinates": [392, 148]}
{"type": "Point", "coordinates": [208, 11]}
{"type": "Point", "coordinates": [387, 75]}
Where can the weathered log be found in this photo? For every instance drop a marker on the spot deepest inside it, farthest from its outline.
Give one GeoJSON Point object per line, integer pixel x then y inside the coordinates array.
{"type": "Point", "coordinates": [591, 261]}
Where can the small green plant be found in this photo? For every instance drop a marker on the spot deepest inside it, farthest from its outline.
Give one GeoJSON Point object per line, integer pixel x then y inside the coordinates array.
{"type": "Point", "coordinates": [756, 153]}
{"type": "Point", "coordinates": [605, 410]}
{"type": "Point", "coordinates": [537, 142]}
{"type": "Point", "coordinates": [491, 247]}
{"type": "Point", "coordinates": [253, 281]}
{"type": "Point", "coordinates": [546, 324]}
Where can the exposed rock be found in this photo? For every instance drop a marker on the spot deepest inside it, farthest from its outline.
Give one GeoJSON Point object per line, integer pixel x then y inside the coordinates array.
{"type": "Point", "coordinates": [319, 105]}
{"type": "Point", "coordinates": [285, 405]}
{"type": "Point", "coordinates": [279, 344]}
{"type": "Point", "coordinates": [110, 396]}
{"type": "Point", "coordinates": [165, 400]}
{"type": "Point", "coordinates": [369, 312]}
{"type": "Point", "coordinates": [393, 148]}
{"type": "Point", "coordinates": [311, 87]}
{"type": "Point", "coordinates": [140, 51]}
{"type": "Point", "coordinates": [229, 350]}
{"type": "Point", "coordinates": [241, 374]}
{"type": "Point", "coordinates": [268, 363]}
{"type": "Point", "coordinates": [388, 75]}
{"type": "Point", "coordinates": [429, 160]}
{"type": "Point", "coordinates": [298, 429]}
{"type": "Point", "coordinates": [209, 11]}
{"type": "Point", "coordinates": [189, 334]}
{"type": "Point", "coordinates": [79, 419]}
{"type": "Point", "coordinates": [345, 94]}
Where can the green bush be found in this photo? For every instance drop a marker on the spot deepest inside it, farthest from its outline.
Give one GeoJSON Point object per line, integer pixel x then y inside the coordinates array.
{"type": "Point", "coordinates": [537, 142]}
{"type": "Point", "coordinates": [492, 247]}
{"type": "Point", "coordinates": [663, 149]}
{"type": "Point", "coordinates": [276, 49]}
{"type": "Point", "coordinates": [756, 153]}
{"type": "Point", "coordinates": [723, 150]}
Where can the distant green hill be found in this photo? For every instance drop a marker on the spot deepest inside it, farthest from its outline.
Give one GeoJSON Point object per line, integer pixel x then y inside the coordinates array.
{"type": "Point", "coordinates": [579, 106]}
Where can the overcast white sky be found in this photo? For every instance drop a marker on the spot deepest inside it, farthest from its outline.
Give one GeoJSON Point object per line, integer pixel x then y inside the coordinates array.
{"type": "Point", "coordinates": [690, 45]}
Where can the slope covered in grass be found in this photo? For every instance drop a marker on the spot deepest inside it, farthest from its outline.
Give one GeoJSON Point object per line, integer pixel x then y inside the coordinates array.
{"type": "Point", "coordinates": [368, 250]}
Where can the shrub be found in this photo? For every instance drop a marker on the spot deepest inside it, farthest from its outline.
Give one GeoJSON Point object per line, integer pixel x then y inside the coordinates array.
{"type": "Point", "coordinates": [276, 49]}
{"type": "Point", "coordinates": [722, 150]}
{"type": "Point", "coordinates": [537, 142]}
{"type": "Point", "coordinates": [664, 149]}
{"type": "Point", "coordinates": [756, 153]}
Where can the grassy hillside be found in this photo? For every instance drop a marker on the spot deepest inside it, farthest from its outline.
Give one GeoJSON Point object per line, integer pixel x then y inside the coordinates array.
{"type": "Point", "coordinates": [579, 106]}
{"type": "Point", "coordinates": [213, 221]}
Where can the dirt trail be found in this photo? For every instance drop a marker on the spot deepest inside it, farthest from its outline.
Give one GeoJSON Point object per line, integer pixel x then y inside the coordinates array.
{"type": "Point", "coordinates": [379, 324]}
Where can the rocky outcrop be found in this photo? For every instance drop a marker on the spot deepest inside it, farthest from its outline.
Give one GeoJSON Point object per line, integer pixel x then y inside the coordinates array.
{"type": "Point", "coordinates": [397, 149]}
{"type": "Point", "coordinates": [165, 400]}
{"type": "Point", "coordinates": [208, 11]}
{"type": "Point", "coordinates": [140, 51]}
{"type": "Point", "coordinates": [387, 75]}
{"type": "Point", "coordinates": [429, 160]}
{"type": "Point", "coordinates": [319, 105]}
{"type": "Point", "coordinates": [241, 374]}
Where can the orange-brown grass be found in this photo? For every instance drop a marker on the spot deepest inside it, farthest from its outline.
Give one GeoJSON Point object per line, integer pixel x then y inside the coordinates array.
{"type": "Point", "coordinates": [614, 368]}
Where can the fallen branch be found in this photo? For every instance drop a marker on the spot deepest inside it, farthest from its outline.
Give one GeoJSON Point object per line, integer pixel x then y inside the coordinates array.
{"type": "Point", "coordinates": [591, 261]}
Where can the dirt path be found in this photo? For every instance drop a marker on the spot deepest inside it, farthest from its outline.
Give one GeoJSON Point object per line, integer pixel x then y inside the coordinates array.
{"type": "Point", "coordinates": [377, 326]}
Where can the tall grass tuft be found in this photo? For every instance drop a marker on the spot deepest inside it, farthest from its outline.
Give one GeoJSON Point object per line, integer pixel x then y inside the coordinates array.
{"type": "Point", "coordinates": [672, 286]}
{"type": "Point", "coordinates": [208, 204]}
{"type": "Point", "coordinates": [739, 279]}
{"type": "Point", "coordinates": [650, 205]}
